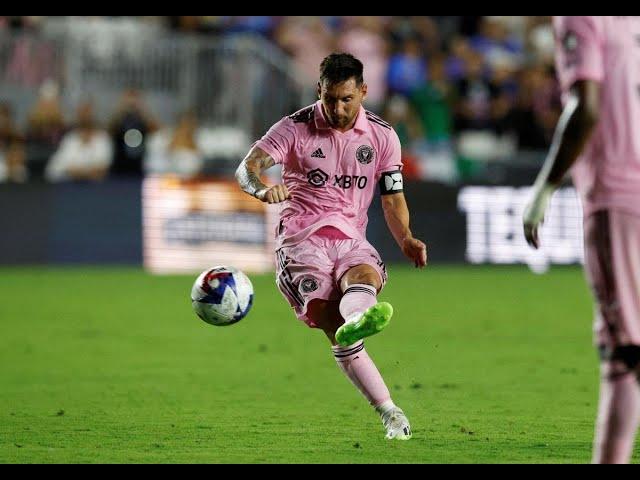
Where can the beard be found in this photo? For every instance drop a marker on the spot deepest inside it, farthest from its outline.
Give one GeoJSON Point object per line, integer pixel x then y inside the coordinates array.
{"type": "Point", "coordinates": [340, 121]}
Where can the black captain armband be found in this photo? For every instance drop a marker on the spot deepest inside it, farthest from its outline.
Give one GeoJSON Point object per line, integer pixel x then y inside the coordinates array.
{"type": "Point", "coordinates": [391, 182]}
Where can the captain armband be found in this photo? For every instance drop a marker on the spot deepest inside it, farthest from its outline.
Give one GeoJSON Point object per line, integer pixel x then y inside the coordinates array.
{"type": "Point", "coordinates": [391, 183]}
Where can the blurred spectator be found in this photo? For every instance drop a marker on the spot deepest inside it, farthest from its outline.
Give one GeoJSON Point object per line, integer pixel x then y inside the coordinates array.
{"type": "Point", "coordinates": [176, 151]}
{"type": "Point", "coordinates": [29, 22]}
{"type": "Point", "coordinates": [31, 60]}
{"type": "Point", "coordinates": [513, 26]}
{"type": "Point", "coordinates": [469, 25]}
{"type": "Point", "coordinates": [448, 25]}
{"type": "Point", "coordinates": [537, 110]}
{"type": "Point", "coordinates": [201, 24]}
{"type": "Point", "coordinates": [484, 102]}
{"type": "Point", "coordinates": [407, 69]}
{"type": "Point", "coordinates": [84, 154]}
{"type": "Point", "coordinates": [258, 24]}
{"type": "Point", "coordinates": [460, 54]}
{"type": "Point", "coordinates": [420, 28]}
{"type": "Point", "coordinates": [45, 129]}
{"type": "Point", "coordinates": [540, 40]}
{"type": "Point", "coordinates": [12, 153]}
{"type": "Point", "coordinates": [475, 94]}
{"type": "Point", "coordinates": [427, 32]}
{"type": "Point", "coordinates": [496, 44]}
{"type": "Point", "coordinates": [130, 127]}
{"type": "Point", "coordinates": [308, 40]}
{"type": "Point", "coordinates": [548, 101]}
{"type": "Point", "coordinates": [399, 28]}
{"type": "Point", "coordinates": [399, 114]}
{"type": "Point", "coordinates": [505, 92]}
{"type": "Point", "coordinates": [433, 101]}
{"type": "Point", "coordinates": [364, 38]}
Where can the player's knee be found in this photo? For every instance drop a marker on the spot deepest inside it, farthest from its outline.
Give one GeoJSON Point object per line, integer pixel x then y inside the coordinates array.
{"type": "Point", "coordinates": [624, 360]}
{"type": "Point", "coordinates": [361, 275]}
{"type": "Point", "coordinates": [629, 355]}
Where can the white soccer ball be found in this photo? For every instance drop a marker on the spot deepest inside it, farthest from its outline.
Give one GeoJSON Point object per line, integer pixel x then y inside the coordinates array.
{"type": "Point", "coordinates": [222, 296]}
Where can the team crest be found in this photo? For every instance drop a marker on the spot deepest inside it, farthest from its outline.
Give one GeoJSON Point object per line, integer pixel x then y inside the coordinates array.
{"type": "Point", "coordinates": [570, 42]}
{"type": "Point", "coordinates": [309, 285]}
{"type": "Point", "coordinates": [365, 154]}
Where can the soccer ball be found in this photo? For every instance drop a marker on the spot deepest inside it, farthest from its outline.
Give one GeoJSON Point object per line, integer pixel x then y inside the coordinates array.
{"type": "Point", "coordinates": [222, 296]}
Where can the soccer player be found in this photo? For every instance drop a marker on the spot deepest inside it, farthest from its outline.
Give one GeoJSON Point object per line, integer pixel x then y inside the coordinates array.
{"type": "Point", "coordinates": [598, 62]}
{"type": "Point", "coordinates": [333, 154]}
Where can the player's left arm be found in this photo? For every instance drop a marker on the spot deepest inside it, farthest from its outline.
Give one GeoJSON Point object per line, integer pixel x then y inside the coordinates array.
{"type": "Point", "coordinates": [396, 213]}
{"type": "Point", "coordinates": [574, 129]}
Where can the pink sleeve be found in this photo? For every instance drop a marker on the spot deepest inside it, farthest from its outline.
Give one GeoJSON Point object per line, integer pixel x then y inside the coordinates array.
{"type": "Point", "coordinates": [579, 48]}
{"type": "Point", "coordinates": [279, 140]}
{"type": "Point", "coordinates": [391, 159]}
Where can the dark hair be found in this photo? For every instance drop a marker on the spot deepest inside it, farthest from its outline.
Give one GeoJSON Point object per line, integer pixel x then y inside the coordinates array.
{"type": "Point", "coordinates": [340, 67]}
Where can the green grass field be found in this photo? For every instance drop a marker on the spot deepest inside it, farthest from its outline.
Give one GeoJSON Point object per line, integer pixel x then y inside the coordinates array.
{"type": "Point", "coordinates": [491, 365]}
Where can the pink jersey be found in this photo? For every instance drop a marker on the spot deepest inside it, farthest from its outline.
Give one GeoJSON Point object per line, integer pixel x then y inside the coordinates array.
{"type": "Point", "coordinates": [331, 176]}
{"type": "Point", "coordinates": [606, 49]}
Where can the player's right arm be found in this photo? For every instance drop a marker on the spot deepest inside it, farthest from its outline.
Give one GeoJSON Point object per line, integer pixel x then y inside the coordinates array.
{"type": "Point", "coordinates": [574, 129]}
{"type": "Point", "coordinates": [580, 63]}
{"type": "Point", "coordinates": [396, 214]}
{"type": "Point", "coordinates": [248, 176]}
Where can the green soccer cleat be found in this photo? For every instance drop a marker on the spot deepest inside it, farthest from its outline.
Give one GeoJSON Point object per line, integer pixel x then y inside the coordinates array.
{"type": "Point", "coordinates": [373, 321]}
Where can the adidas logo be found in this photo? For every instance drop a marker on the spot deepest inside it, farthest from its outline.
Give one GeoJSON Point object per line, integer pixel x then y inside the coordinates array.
{"type": "Point", "coordinates": [318, 154]}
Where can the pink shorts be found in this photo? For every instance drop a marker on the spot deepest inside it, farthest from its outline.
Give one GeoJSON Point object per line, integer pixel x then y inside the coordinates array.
{"type": "Point", "coordinates": [311, 270]}
{"type": "Point", "coordinates": [612, 254]}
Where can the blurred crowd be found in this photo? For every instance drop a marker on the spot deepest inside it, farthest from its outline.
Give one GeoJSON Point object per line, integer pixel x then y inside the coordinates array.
{"type": "Point", "coordinates": [461, 91]}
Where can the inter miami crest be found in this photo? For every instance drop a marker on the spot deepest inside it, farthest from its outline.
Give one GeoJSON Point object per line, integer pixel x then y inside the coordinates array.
{"type": "Point", "coordinates": [570, 42]}
{"type": "Point", "coordinates": [309, 285]}
{"type": "Point", "coordinates": [366, 154]}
